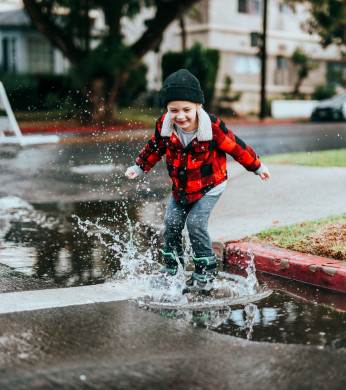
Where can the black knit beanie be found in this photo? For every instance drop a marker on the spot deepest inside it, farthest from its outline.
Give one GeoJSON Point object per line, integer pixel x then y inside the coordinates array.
{"type": "Point", "coordinates": [181, 85]}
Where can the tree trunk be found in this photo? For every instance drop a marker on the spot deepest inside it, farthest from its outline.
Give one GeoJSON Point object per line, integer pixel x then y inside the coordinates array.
{"type": "Point", "coordinates": [183, 33]}
{"type": "Point", "coordinates": [99, 96]}
{"type": "Point", "coordinates": [296, 93]}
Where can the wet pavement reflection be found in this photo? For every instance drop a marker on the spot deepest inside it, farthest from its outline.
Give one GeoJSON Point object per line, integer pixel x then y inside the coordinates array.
{"type": "Point", "coordinates": [279, 318]}
{"type": "Point", "coordinates": [45, 241]}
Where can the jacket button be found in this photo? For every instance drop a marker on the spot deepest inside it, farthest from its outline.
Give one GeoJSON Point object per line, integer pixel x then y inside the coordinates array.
{"type": "Point", "coordinates": [180, 189]}
{"type": "Point", "coordinates": [202, 147]}
{"type": "Point", "coordinates": [174, 139]}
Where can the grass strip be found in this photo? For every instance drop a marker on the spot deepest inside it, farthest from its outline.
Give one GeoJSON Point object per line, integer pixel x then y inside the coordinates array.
{"type": "Point", "coordinates": [322, 237]}
{"type": "Point", "coordinates": [325, 158]}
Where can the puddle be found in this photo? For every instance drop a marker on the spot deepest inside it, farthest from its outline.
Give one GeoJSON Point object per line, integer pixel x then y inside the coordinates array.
{"type": "Point", "coordinates": [44, 241]}
{"type": "Point", "coordinates": [85, 243]}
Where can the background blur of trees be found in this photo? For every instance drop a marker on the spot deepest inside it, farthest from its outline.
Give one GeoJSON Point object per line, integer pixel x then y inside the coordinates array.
{"type": "Point", "coordinates": [104, 66]}
{"type": "Point", "coordinates": [328, 20]}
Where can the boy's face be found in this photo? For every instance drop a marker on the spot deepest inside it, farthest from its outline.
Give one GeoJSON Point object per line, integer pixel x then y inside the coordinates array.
{"type": "Point", "coordinates": [184, 114]}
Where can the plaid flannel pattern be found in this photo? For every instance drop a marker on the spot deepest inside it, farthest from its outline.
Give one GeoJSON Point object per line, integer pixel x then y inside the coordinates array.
{"type": "Point", "coordinates": [200, 166]}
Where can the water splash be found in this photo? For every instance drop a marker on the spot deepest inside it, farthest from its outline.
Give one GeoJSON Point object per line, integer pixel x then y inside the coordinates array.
{"type": "Point", "coordinates": [142, 269]}
{"type": "Point", "coordinates": [250, 311]}
{"type": "Point", "coordinates": [134, 264]}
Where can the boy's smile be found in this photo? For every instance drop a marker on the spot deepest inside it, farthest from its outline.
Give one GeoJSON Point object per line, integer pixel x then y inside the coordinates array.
{"type": "Point", "coordinates": [184, 114]}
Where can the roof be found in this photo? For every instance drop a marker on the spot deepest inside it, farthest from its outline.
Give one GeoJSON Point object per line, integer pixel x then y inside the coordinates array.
{"type": "Point", "coordinates": [16, 18]}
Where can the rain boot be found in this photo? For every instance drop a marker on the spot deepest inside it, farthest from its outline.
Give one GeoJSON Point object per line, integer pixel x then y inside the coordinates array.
{"type": "Point", "coordinates": [171, 264]}
{"type": "Point", "coordinates": [168, 270]}
{"type": "Point", "coordinates": [204, 275]}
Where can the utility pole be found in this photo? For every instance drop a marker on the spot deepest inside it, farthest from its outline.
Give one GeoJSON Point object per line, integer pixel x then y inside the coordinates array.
{"type": "Point", "coordinates": [263, 61]}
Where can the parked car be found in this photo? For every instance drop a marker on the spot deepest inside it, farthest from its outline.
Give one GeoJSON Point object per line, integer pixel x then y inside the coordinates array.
{"type": "Point", "coordinates": [330, 109]}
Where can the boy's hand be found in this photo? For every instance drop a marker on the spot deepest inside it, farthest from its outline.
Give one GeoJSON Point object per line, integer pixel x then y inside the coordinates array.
{"type": "Point", "coordinates": [131, 173]}
{"type": "Point", "coordinates": [264, 175]}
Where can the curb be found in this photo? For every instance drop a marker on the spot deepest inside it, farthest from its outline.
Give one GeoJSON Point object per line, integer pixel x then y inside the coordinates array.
{"type": "Point", "coordinates": [264, 122]}
{"type": "Point", "coordinates": [302, 267]}
{"type": "Point", "coordinates": [76, 129]}
{"type": "Point", "coordinates": [80, 129]}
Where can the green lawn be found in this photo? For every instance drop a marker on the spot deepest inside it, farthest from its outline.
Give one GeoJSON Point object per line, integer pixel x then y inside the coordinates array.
{"type": "Point", "coordinates": [327, 158]}
{"type": "Point", "coordinates": [304, 237]}
{"type": "Point", "coordinates": [146, 115]}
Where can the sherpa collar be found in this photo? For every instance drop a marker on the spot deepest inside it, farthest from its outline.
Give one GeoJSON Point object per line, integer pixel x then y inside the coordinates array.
{"type": "Point", "coordinates": [204, 132]}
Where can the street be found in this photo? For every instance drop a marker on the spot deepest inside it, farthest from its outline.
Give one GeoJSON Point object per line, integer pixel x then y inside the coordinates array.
{"type": "Point", "coordinates": [94, 342]}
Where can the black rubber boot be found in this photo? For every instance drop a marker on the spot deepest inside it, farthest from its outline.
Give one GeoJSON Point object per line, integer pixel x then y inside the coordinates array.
{"type": "Point", "coordinates": [170, 269]}
{"type": "Point", "coordinates": [204, 275]}
{"type": "Point", "coordinates": [171, 264]}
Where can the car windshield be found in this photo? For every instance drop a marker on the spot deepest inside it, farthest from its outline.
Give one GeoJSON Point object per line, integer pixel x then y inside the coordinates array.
{"type": "Point", "coordinates": [339, 98]}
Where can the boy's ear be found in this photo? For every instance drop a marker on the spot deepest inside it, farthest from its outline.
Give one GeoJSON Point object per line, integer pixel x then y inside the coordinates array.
{"type": "Point", "coordinates": [199, 105]}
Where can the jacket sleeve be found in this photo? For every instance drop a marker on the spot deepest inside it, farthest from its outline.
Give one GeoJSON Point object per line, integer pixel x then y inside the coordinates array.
{"type": "Point", "coordinates": [237, 148]}
{"type": "Point", "coordinates": [152, 151]}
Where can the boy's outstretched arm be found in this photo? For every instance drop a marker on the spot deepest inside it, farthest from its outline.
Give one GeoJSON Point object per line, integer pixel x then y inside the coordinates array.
{"type": "Point", "coordinates": [263, 172]}
{"type": "Point", "coordinates": [131, 173]}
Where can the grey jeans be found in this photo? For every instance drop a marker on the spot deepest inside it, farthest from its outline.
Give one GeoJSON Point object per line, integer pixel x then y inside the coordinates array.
{"type": "Point", "coordinates": [196, 216]}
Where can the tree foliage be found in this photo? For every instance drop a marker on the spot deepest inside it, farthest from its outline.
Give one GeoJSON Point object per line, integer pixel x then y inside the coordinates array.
{"type": "Point", "coordinates": [102, 61]}
{"type": "Point", "coordinates": [304, 65]}
{"type": "Point", "coordinates": [328, 20]}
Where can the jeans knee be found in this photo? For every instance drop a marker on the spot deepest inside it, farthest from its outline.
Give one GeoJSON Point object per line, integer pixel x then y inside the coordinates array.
{"type": "Point", "coordinates": [196, 225]}
{"type": "Point", "coordinates": [171, 225]}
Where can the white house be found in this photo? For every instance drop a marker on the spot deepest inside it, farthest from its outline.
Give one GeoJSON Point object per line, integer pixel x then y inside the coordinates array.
{"type": "Point", "coordinates": [23, 49]}
{"type": "Point", "coordinates": [226, 25]}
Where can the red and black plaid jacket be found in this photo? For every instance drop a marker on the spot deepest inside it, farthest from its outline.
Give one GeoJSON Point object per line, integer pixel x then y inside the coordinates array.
{"type": "Point", "coordinates": [200, 166]}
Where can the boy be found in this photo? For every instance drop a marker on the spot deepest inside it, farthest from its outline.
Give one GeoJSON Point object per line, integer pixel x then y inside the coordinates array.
{"type": "Point", "coordinates": [195, 144]}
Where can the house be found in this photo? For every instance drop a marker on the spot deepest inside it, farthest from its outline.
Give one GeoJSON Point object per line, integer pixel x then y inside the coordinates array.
{"type": "Point", "coordinates": [24, 50]}
{"type": "Point", "coordinates": [227, 25]}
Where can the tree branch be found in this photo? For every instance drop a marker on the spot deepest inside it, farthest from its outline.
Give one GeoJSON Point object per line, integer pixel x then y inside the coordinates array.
{"type": "Point", "coordinates": [167, 12]}
{"type": "Point", "coordinates": [51, 31]}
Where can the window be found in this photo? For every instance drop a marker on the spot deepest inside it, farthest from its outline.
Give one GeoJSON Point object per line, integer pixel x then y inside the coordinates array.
{"type": "Point", "coordinates": [40, 56]}
{"type": "Point", "coordinates": [284, 8]}
{"type": "Point", "coordinates": [8, 64]}
{"type": "Point", "coordinates": [336, 73]}
{"type": "Point", "coordinates": [281, 62]}
{"type": "Point", "coordinates": [252, 7]}
{"type": "Point", "coordinates": [5, 61]}
{"type": "Point", "coordinates": [247, 65]}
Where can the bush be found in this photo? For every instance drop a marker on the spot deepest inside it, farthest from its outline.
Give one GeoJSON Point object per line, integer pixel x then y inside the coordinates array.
{"type": "Point", "coordinates": [21, 90]}
{"type": "Point", "coordinates": [203, 63]}
{"type": "Point", "coordinates": [136, 84]}
{"type": "Point", "coordinates": [323, 92]}
{"type": "Point", "coordinates": [39, 92]}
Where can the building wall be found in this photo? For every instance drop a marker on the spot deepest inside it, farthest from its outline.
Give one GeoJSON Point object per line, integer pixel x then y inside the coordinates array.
{"type": "Point", "coordinates": [221, 26]}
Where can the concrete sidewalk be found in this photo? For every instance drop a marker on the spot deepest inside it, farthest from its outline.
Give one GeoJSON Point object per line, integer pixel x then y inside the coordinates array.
{"type": "Point", "coordinates": [116, 345]}
{"type": "Point", "coordinates": [293, 194]}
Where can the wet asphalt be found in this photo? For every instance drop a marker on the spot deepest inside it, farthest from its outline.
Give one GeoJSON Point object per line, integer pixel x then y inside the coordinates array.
{"type": "Point", "coordinates": [49, 173]}
{"type": "Point", "coordinates": [118, 345]}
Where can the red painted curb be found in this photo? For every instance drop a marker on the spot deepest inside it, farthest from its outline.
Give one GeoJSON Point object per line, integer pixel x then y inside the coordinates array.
{"type": "Point", "coordinates": [245, 122]}
{"type": "Point", "coordinates": [315, 270]}
{"type": "Point", "coordinates": [79, 129]}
